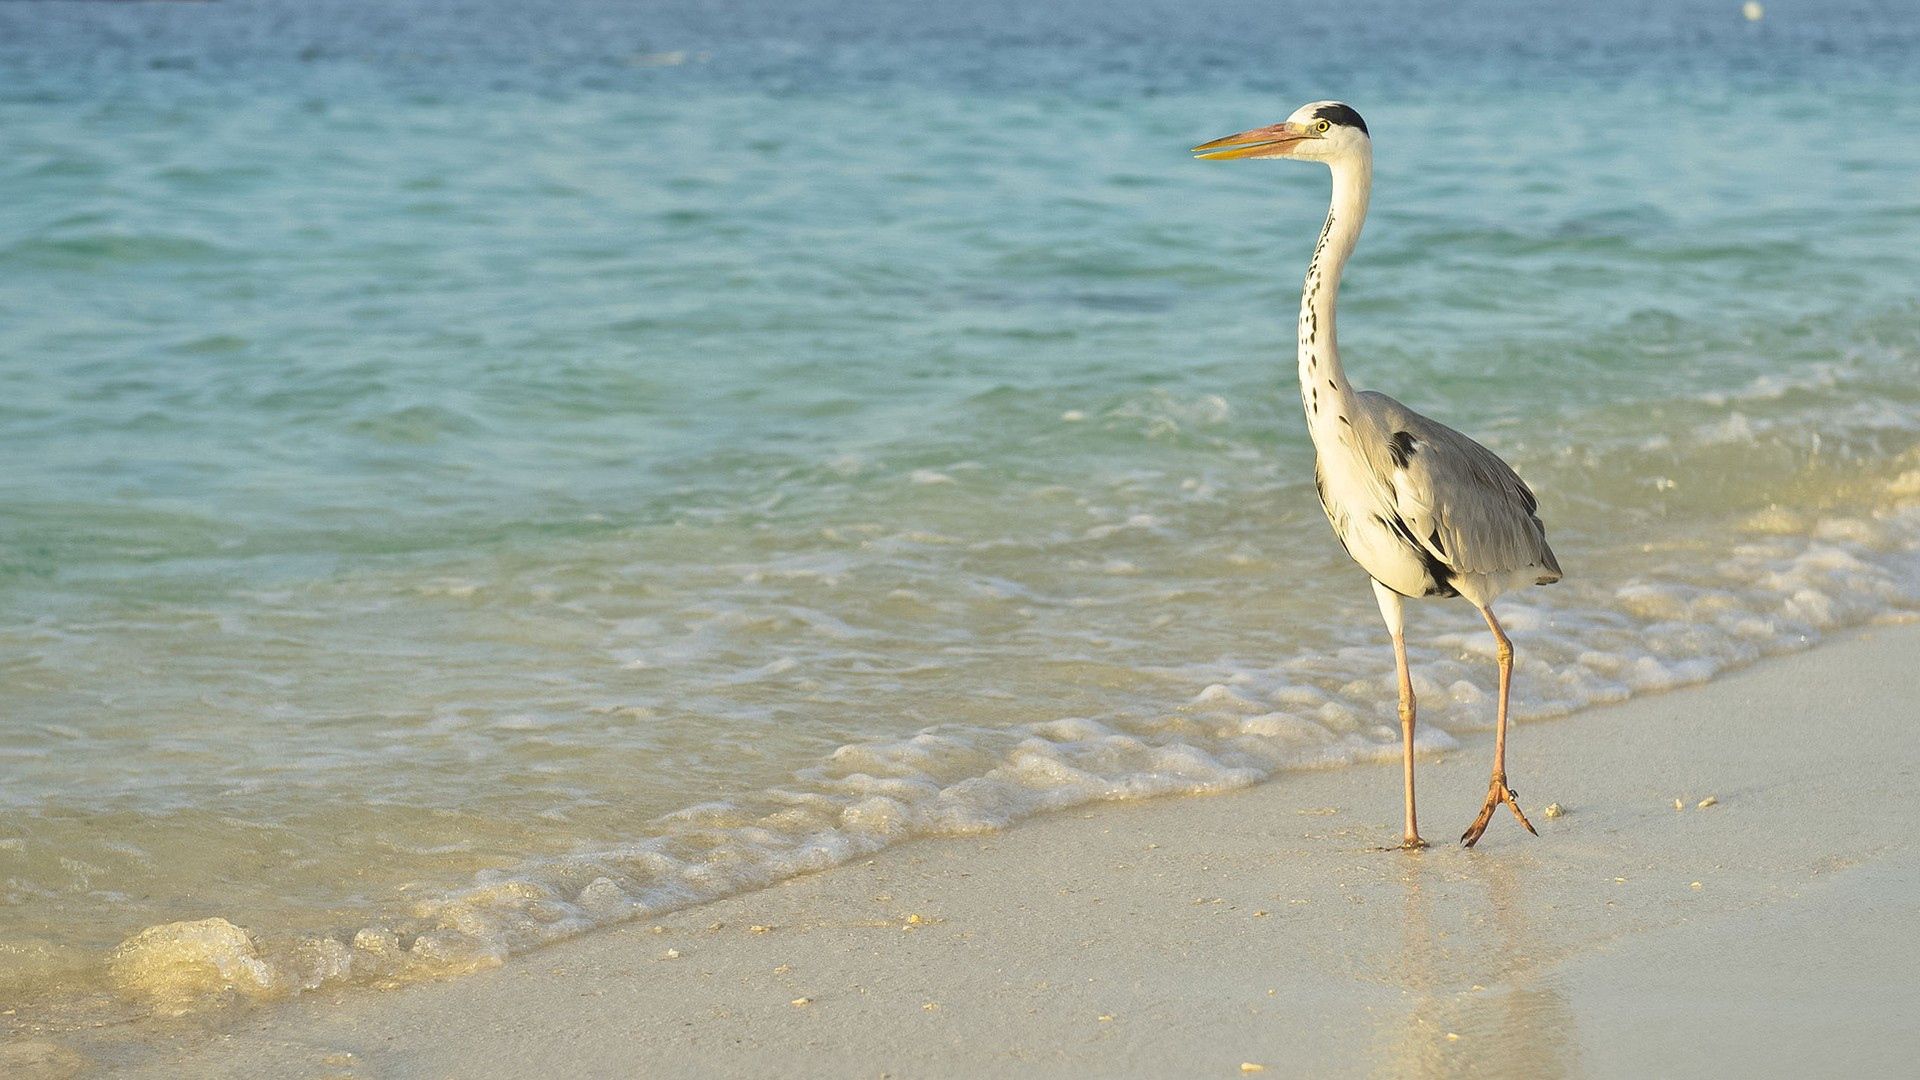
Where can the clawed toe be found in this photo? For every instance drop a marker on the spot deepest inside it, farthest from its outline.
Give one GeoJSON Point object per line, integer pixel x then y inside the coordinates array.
{"type": "Point", "coordinates": [1497, 792]}
{"type": "Point", "coordinates": [1513, 804]}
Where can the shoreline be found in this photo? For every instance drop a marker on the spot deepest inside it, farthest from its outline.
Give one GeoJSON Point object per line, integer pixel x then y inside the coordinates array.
{"type": "Point", "coordinates": [1767, 934]}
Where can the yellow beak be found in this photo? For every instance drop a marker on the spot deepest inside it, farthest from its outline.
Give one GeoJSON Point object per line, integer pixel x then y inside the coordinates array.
{"type": "Point", "coordinates": [1275, 141]}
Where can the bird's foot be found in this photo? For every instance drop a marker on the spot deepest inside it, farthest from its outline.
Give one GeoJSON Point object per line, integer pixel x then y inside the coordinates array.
{"type": "Point", "coordinates": [1497, 792]}
{"type": "Point", "coordinates": [1412, 843]}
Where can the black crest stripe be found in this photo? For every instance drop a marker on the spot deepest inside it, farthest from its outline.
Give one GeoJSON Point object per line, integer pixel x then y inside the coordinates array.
{"type": "Point", "coordinates": [1341, 113]}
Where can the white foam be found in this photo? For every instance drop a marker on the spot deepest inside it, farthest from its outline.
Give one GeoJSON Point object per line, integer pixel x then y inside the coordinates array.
{"type": "Point", "coordinates": [178, 965]}
{"type": "Point", "coordinates": [1781, 585]}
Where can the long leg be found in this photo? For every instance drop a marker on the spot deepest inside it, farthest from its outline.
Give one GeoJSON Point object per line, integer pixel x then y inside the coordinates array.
{"type": "Point", "coordinates": [1497, 790]}
{"type": "Point", "coordinates": [1390, 610]}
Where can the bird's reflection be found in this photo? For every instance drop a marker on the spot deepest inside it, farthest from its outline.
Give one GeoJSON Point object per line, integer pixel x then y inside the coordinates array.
{"type": "Point", "coordinates": [1483, 1003]}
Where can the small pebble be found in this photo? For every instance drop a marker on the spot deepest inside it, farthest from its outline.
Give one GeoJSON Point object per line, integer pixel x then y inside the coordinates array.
{"type": "Point", "coordinates": [671, 954]}
{"type": "Point", "coordinates": [1452, 1037]}
{"type": "Point", "coordinates": [1554, 809]}
{"type": "Point", "coordinates": [1250, 1066]}
{"type": "Point", "coordinates": [1679, 805]}
{"type": "Point", "coordinates": [1708, 801]}
{"type": "Point", "coordinates": [757, 929]}
{"type": "Point", "coordinates": [1696, 885]}
{"type": "Point", "coordinates": [801, 1002]}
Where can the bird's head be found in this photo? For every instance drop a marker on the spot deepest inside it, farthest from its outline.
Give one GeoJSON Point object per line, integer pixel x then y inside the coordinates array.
{"type": "Point", "coordinates": [1328, 131]}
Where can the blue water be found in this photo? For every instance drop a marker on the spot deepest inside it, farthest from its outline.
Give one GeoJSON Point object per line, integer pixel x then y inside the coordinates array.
{"type": "Point", "coordinates": [475, 471]}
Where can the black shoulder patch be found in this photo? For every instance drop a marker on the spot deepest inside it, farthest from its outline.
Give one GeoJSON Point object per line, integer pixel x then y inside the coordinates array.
{"type": "Point", "coordinates": [1341, 113]}
{"type": "Point", "coordinates": [1400, 448]}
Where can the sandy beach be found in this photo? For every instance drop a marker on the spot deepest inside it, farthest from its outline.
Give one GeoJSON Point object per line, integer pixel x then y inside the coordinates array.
{"type": "Point", "coordinates": [1769, 932]}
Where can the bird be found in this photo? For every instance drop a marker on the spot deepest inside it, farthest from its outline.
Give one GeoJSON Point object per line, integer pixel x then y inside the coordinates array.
{"type": "Point", "coordinates": [1425, 510]}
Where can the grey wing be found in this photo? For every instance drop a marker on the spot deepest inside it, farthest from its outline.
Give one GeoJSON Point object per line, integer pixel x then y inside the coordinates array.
{"type": "Point", "coordinates": [1456, 498]}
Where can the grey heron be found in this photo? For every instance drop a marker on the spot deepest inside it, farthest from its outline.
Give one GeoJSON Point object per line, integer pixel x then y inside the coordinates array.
{"type": "Point", "coordinates": [1423, 509]}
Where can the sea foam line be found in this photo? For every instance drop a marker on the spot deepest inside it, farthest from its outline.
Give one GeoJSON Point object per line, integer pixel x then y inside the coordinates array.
{"type": "Point", "coordinates": [1780, 587]}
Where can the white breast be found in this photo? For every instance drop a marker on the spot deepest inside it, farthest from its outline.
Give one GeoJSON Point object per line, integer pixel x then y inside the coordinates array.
{"type": "Point", "coordinates": [1362, 522]}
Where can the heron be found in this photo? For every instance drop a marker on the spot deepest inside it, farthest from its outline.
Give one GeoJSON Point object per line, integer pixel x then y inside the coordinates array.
{"type": "Point", "coordinates": [1424, 510]}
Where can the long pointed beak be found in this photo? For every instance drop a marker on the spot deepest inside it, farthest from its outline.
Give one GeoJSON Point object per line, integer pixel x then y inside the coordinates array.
{"type": "Point", "coordinates": [1274, 141]}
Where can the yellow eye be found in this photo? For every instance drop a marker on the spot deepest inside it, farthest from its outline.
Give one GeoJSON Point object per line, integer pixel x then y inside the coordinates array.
{"type": "Point", "coordinates": [1322, 127]}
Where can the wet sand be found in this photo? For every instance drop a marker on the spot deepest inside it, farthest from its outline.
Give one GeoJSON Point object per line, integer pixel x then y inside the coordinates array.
{"type": "Point", "coordinates": [1772, 933]}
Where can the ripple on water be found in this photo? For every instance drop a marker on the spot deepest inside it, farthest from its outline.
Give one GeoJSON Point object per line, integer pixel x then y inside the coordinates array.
{"type": "Point", "coordinates": [101, 251]}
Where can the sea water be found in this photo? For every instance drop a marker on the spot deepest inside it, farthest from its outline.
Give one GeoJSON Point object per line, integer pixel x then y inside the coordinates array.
{"type": "Point", "coordinates": [477, 471]}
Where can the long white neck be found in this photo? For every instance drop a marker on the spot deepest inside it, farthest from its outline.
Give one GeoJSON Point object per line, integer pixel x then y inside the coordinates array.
{"type": "Point", "coordinates": [1324, 390]}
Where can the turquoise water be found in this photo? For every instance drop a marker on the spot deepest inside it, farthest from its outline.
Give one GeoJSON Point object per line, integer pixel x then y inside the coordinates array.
{"type": "Point", "coordinates": [481, 472]}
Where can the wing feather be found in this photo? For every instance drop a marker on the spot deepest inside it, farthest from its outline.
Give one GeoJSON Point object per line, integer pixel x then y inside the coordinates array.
{"type": "Point", "coordinates": [1460, 502]}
